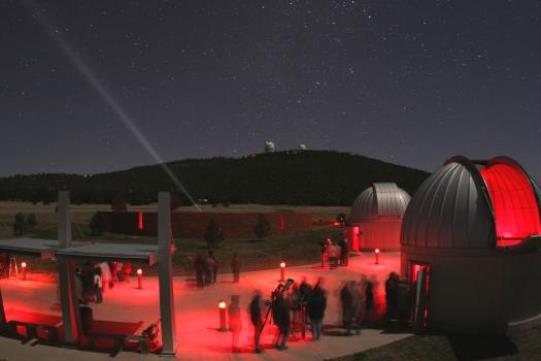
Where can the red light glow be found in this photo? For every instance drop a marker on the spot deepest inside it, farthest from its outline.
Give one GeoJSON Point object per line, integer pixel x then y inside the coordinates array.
{"type": "Point", "coordinates": [139, 271]}
{"type": "Point", "coordinates": [376, 250]}
{"type": "Point", "coordinates": [516, 211]}
{"type": "Point", "coordinates": [283, 265]}
{"type": "Point", "coordinates": [140, 221]}
{"type": "Point", "coordinates": [222, 305]}
{"type": "Point", "coordinates": [23, 264]}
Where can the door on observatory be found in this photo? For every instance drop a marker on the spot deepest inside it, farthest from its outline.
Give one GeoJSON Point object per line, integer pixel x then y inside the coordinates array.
{"type": "Point", "coordinates": [420, 281]}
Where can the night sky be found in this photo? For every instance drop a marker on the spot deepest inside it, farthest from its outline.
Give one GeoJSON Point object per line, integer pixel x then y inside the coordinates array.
{"type": "Point", "coordinates": [410, 82]}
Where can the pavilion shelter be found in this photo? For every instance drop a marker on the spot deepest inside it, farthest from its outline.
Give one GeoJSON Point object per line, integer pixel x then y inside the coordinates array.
{"type": "Point", "coordinates": [67, 253]}
{"type": "Point", "coordinates": [471, 247]}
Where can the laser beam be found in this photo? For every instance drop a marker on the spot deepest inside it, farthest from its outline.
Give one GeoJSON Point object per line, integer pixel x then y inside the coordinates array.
{"type": "Point", "coordinates": [90, 77]}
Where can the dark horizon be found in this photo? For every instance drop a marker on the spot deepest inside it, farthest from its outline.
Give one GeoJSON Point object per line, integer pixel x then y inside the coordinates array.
{"type": "Point", "coordinates": [410, 83]}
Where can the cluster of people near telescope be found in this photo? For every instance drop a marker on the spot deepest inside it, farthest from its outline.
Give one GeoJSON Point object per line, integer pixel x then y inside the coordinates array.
{"type": "Point", "coordinates": [292, 307]}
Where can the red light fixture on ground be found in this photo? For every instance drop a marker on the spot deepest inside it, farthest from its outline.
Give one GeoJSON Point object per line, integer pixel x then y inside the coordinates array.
{"type": "Point", "coordinates": [23, 266]}
{"type": "Point", "coordinates": [139, 278]}
{"type": "Point", "coordinates": [376, 254]}
{"type": "Point", "coordinates": [221, 309]}
{"type": "Point", "coordinates": [282, 271]}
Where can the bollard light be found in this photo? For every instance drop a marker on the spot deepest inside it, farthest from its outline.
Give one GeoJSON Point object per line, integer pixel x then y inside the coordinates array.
{"type": "Point", "coordinates": [282, 271]}
{"type": "Point", "coordinates": [221, 309]}
{"type": "Point", "coordinates": [139, 278]}
{"type": "Point", "coordinates": [376, 254]}
{"type": "Point", "coordinates": [23, 266]}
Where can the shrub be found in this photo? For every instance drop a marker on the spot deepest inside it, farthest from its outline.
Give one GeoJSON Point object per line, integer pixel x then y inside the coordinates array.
{"type": "Point", "coordinates": [213, 235]}
{"type": "Point", "coordinates": [262, 227]}
{"type": "Point", "coordinates": [19, 225]}
{"type": "Point", "coordinates": [95, 225]}
{"type": "Point", "coordinates": [31, 221]}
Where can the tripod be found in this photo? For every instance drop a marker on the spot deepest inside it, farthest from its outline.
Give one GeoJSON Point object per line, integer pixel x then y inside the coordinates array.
{"type": "Point", "coordinates": [278, 291]}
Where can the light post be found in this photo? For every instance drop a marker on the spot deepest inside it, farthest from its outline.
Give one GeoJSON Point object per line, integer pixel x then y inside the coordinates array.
{"type": "Point", "coordinates": [221, 309]}
{"type": "Point", "coordinates": [140, 278]}
{"type": "Point", "coordinates": [23, 266]}
{"type": "Point", "coordinates": [282, 271]}
{"type": "Point", "coordinates": [376, 254]}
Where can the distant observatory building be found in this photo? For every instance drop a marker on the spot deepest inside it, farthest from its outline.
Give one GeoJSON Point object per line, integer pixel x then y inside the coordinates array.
{"type": "Point", "coordinates": [471, 247]}
{"type": "Point", "coordinates": [270, 147]}
{"type": "Point", "coordinates": [377, 216]}
{"type": "Point", "coordinates": [302, 146]}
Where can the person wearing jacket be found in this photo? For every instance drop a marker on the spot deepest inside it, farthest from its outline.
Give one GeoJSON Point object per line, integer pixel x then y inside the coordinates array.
{"type": "Point", "coordinates": [316, 305]}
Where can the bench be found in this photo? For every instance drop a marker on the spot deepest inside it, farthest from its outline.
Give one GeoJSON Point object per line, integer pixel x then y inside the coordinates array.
{"type": "Point", "coordinates": [144, 343]}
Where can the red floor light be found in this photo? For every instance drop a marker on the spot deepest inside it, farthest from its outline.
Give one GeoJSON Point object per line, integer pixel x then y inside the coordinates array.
{"type": "Point", "coordinates": [221, 309]}
{"type": "Point", "coordinates": [23, 266]}
{"type": "Point", "coordinates": [376, 255]}
{"type": "Point", "coordinates": [139, 278]}
{"type": "Point", "coordinates": [282, 271]}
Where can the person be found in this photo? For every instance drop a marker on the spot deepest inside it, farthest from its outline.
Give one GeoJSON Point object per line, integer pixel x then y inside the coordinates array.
{"type": "Point", "coordinates": [316, 305]}
{"type": "Point", "coordinates": [199, 270]}
{"type": "Point", "coordinates": [391, 296]}
{"type": "Point", "coordinates": [105, 274]}
{"type": "Point", "coordinates": [126, 271]}
{"type": "Point", "coordinates": [256, 316]}
{"type": "Point", "coordinates": [355, 306]}
{"type": "Point", "coordinates": [323, 253]}
{"type": "Point", "coordinates": [344, 254]}
{"type": "Point", "coordinates": [98, 285]}
{"type": "Point", "coordinates": [235, 324]}
{"type": "Point", "coordinates": [235, 267]}
{"type": "Point", "coordinates": [346, 299]}
{"type": "Point", "coordinates": [368, 297]}
{"type": "Point", "coordinates": [281, 319]}
{"type": "Point", "coordinates": [208, 265]}
{"type": "Point", "coordinates": [295, 305]}
{"type": "Point", "coordinates": [214, 266]}
{"type": "Point", "coordinates": [343, 251]}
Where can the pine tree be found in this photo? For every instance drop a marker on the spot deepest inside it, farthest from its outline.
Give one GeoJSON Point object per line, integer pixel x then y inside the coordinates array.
{"type": "Point", "coordinates": [214, 235]}
{"type": "Point", "coordinates": [19, 225]}
{"type": "Point", "coordinates": [262, 228]}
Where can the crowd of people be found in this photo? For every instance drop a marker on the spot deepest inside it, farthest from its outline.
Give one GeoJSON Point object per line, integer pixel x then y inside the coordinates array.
{"type": "Point", "coordinates": [206, 268]}
{"type": "Point", "coordinates": [335, 253]}
{"type": "Point", "coordinates": [92, 280]}
{"type": "Point", "coordinates": [290, 308]}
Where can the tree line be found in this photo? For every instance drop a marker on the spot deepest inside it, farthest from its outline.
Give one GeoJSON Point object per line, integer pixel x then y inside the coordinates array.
{"type": "Point", "coordinates": [292, 177]}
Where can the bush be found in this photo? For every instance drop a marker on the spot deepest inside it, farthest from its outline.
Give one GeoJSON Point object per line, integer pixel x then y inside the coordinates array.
{"type": "Point", "coordinates": [31, 221]}
{"type": "Point", "coordinates": [262, 228]}
{"type": "Point", "coordinates": [213, 235]}
{"type": "Point", "coordinates": [95, 225]}
{"type": "Point", "coordinates": [19, 225]}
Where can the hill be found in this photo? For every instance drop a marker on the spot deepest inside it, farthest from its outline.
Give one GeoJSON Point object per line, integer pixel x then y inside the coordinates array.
{"type": "Point", "coordinates": [291, 177]}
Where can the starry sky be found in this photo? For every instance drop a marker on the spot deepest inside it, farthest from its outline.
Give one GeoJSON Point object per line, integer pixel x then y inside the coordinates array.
{"type": "Point", "coordinates": [410, 82]}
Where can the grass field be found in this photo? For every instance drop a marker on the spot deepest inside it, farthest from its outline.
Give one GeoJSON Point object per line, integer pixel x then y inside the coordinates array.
{"type": "Point", "coordinates": [294, 249]}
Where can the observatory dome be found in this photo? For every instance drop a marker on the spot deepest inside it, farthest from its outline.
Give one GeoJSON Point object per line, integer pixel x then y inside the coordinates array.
{"type": "Point", "coordinates": [379, 200]}
{"type": "Point", "coordinates": [473, 204]}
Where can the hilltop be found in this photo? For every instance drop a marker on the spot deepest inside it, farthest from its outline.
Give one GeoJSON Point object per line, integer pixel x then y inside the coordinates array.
{"type": "Point", "coordinates": [289, 177]}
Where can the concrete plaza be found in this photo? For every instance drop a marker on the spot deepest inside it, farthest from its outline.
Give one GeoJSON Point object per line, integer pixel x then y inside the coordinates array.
{"type": "Point", "coordinates": [197, 314]}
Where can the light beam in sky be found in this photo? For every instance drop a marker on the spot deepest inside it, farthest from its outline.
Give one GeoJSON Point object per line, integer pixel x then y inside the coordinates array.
{"type": "Point", "coordinates": [90, 77]}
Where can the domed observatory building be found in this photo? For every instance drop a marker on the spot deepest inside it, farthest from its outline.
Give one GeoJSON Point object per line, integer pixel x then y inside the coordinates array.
{"type": "Point", "coordinates": [470, 240]}
{"type": "Point", "coordinates": [377, 215]}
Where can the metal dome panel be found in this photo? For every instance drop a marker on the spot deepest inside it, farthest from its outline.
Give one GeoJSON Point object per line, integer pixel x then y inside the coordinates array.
{"type": "Point", "coordinates": [449, 210]}
{"type": "Point", "coordinates": [380, 200]}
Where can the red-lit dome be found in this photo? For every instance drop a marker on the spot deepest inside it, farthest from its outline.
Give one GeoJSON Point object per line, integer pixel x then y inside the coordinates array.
{"type": "Point", "coordinates": [473, 204]}
{"type": "Point", "coordinates": [514, 201]}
